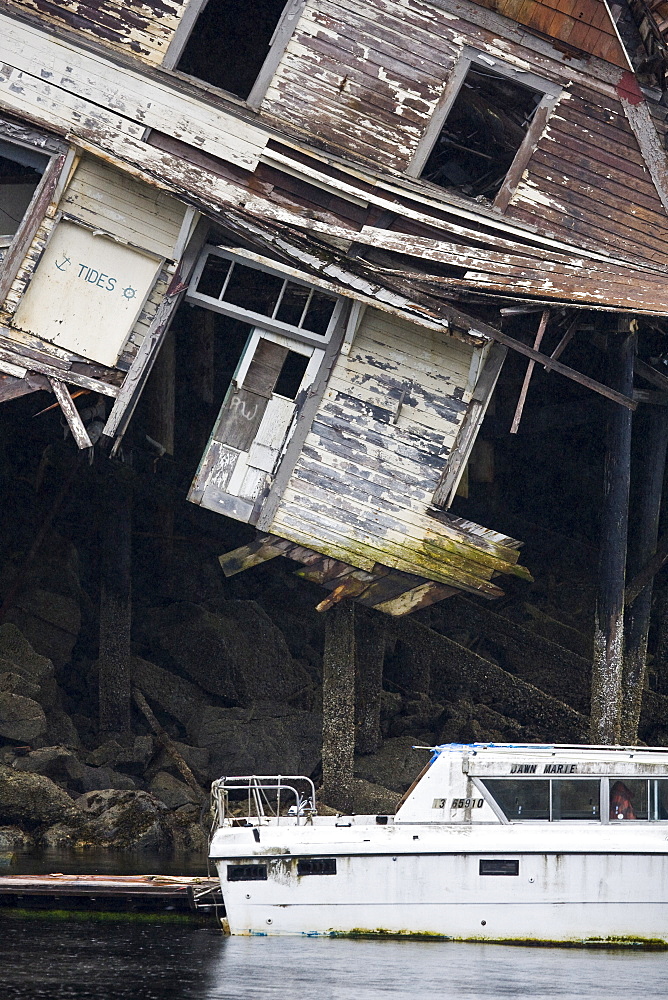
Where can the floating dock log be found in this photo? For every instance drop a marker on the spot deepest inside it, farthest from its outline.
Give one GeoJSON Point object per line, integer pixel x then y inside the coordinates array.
{"type": "Point", "coordinates": [116, 893]}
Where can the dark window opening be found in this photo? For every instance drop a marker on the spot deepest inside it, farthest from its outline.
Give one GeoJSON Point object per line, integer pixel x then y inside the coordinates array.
{"type": "Point", "coordinates": [499, 866]}
{"type": "Point", "coordinates": [482, 134]}
{"type": "Point", "coordinates": [316, 866]}
{"type": "Point", "coordinates": [293, 304]}
{"type": "Point", "coordinates": [259, 292]}
{"type": "Point", "coordinates": [21, 170]}
{"type": "Point", "coordinates": [319, 313]}
{"type": "Point", "coordinates": [212, 279]}
{"type": "Point", "coordinates": [246, 873]}
{"type": "Point", "coordinates": [291, 376]}
{"type": "Point", "coordinates": [253, 290]}
{"type": "Point", "coordinates": [208, 349]}
{"type": "Point", "coordinates": [229, 43]}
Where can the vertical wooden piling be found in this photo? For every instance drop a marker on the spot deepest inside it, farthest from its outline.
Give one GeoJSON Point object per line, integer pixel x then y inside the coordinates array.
{"type": "Point", "coordinates": [115, 602]}
{"type": "Point", "coordinates": [652, 442]}
{"type": "Point", "coordinates": [370, 653]}
{"type": "Point", "coordinates": [606, 695]}
{"type": "Point", "coordinates": [338, 707]}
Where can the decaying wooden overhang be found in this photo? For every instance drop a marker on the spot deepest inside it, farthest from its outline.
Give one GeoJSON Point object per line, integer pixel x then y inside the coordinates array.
{"type": "Point", "coordinates": [317, 176]}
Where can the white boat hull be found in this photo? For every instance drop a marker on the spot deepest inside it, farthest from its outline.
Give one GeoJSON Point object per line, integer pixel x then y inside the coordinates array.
{"type": "Point", "coordinates": [555, 898]}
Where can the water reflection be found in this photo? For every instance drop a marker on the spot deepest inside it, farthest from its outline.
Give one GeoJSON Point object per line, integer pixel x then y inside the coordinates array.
{"type": "Point", "coordinates": [70, 960]}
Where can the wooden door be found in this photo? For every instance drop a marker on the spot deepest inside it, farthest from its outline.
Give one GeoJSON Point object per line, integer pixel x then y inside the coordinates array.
{"type": "Point", "coordinates": [254, 423]}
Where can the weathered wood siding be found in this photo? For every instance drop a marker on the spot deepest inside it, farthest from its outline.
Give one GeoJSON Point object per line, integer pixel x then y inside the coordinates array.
{"type": "Point", "coordinates": [363, 482]}
{"type": "Point", "coordinates": [352, 84]}
{"type": "Point", "coordinates": [134, 213]}
{"type": "Point", "coordinates": [144, 29]}
{"type": "Point", "coordinates": [587, 179]}
{"type": "Point", "coordinates": [131, 212]}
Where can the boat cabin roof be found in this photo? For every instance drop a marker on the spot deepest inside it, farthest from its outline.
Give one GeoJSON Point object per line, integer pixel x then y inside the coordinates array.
{"type": "Point", "coordinates": [534, 758]}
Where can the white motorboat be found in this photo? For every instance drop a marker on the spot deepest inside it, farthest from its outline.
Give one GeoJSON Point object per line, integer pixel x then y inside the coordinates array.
{"type": "Point", "coordinates": [493, 842]}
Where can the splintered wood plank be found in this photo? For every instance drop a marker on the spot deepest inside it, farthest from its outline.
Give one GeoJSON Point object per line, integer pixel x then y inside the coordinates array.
{"type": "Point", "coordinates": [413, 600]}
{"type": "Point", "coordinates": [248, 556]}
{"type": "Point", "coordinates": [542, 326]}
{"type": "Point", "coordinates": [75, 423]}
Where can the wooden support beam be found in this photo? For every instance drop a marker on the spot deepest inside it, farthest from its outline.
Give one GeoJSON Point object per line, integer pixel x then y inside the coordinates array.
{"type": "Point", "coordinates": [74, 421]}
{"type": "Point", "coordinates": [550, 365]}
{"type": "Point", "coordinates": [338, 707]}
{"type": "Point", "coordinates": [166, 741]}
{"type": "Point", "coordinates": [651, 375]}
{"type": "Point", "coordinates": [609, 622]}
{"type": "Point", "coordinates": [115, 601]}
{"type": "Point", "coordinates": [542, 326]}
{"type": "Point", "coordinates": [653, 442]}
{"type": "Point", "coordinates": [565, 340]}
{"type": "Point", "coordinates": [369, 657]}
{"type": "Point", "coordinates": [648, 571]}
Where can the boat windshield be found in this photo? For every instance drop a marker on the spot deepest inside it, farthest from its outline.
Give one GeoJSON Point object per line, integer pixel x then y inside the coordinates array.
{"type": "Point", "coordinates": [558, 799]}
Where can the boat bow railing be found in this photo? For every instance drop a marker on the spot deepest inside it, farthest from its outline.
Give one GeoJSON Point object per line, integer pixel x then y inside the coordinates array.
{"type": "Point", "coordinates": [266, 796]}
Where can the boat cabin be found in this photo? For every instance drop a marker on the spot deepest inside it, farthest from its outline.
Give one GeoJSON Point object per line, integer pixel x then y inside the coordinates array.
{"type": "Point", "coordinates": [490, 783]}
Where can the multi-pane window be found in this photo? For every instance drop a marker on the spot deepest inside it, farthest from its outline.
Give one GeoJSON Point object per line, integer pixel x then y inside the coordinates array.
{"type": "Point", "coordinates": [260, 295]}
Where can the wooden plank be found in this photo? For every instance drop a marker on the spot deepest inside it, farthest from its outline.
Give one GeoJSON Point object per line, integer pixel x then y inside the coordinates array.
{"type": "Point", "coordinates": [556, 366]}
{"type": "Point", "coordinates": [74, 421]}
{"type": "Point", "coordinates": [542, 326]}
{"type": "Point", "coordinates": [650, 374]}
{"type": "Point", "coordinates": [147, 102]}
{"type": "Point", "coordinates": [475, 414]}
{"type": "Point", "coordinates": [414, 600]}
{"type": "Point", "coordinates": [73, 378]}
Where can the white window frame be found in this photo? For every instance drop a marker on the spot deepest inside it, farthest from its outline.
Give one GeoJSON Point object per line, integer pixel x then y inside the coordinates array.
{"type": "Point", "coordinates": [473, 57]}
{"type": "Point", "coordinates": [60, 160]}
{"type": "Point", "coordinates": [292, 333]}
{"type": "Point", "coordinates": [279, 42]}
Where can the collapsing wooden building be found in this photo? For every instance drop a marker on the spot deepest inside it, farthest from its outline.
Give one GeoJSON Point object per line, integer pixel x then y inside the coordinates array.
{"type": "Point", "coordinates": [356, 200]}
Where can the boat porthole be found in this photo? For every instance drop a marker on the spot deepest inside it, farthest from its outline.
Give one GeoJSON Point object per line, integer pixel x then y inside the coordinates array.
{"type": "Point", "coordinates": [483, 922]}
{"type": "Point", "coordinates": [532, 879]}
{"type": "Point", "coordinates": [269, 920]}
{"type": "Point", "coordinates": [248, 895]}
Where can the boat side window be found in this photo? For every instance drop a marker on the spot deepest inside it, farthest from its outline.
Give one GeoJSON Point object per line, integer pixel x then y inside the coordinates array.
{"type": "Point", "coordinates": [547, 799]}
{"type": "Point", "coordinates": [629, 798]}
{"type": "Point", "coordinates": [576, 799]}
{"type": "Point", "coordinates": [521, 799]}
{"type": "Point", "coordinates": [659, 798]}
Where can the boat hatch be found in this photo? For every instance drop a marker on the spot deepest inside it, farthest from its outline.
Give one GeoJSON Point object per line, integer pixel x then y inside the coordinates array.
{"type": "Point", "coordinates": [252, 799]}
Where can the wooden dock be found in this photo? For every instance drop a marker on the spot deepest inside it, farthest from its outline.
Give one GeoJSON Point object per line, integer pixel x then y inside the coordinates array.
{"type": "Point", "coordinates": [116, 893]}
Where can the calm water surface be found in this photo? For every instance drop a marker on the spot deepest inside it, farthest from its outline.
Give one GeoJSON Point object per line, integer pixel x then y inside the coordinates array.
{"type": "Point", "coordinates": [48, 960]}
{"type": "Point", "coordinates": [82, 959]}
